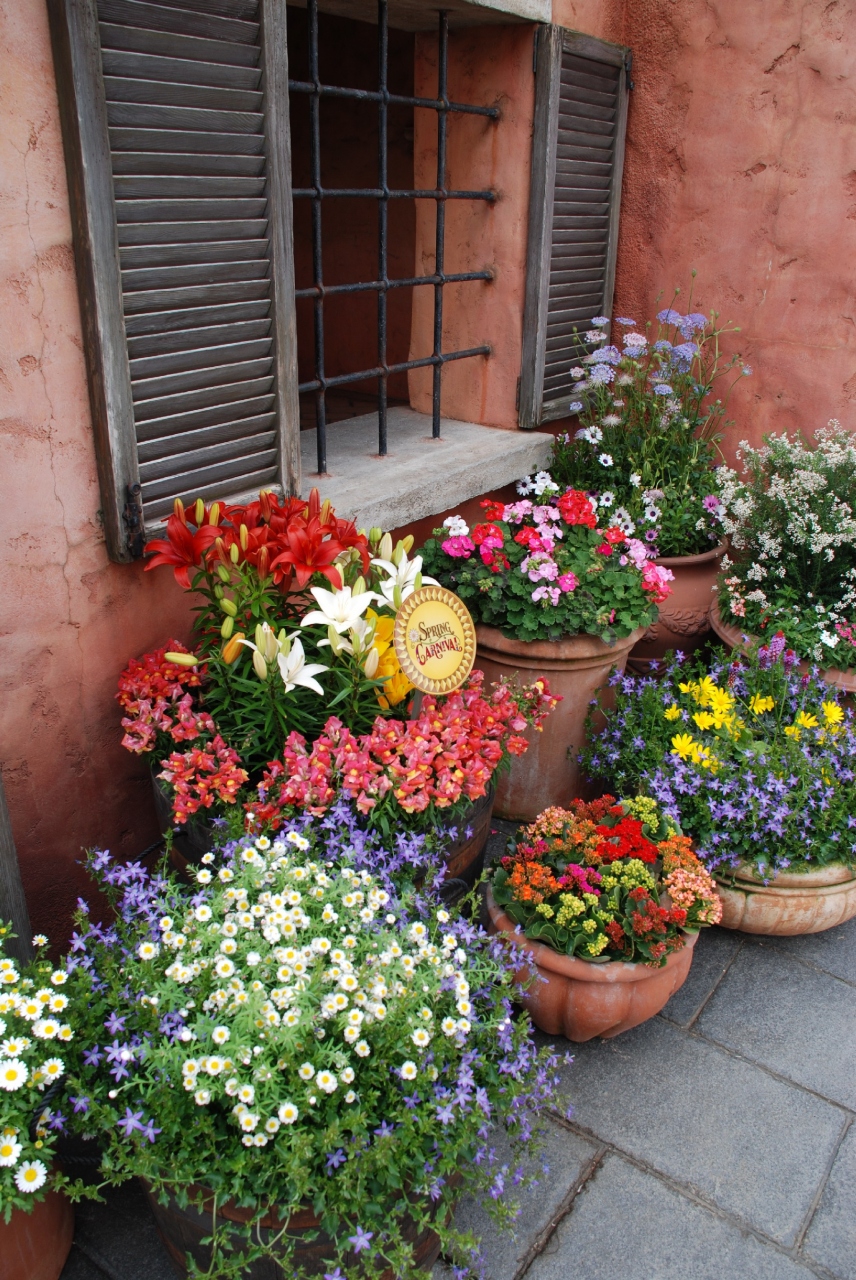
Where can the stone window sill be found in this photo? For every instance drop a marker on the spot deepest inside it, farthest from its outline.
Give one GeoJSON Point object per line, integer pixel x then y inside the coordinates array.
{"type": "Point", "coordinates": [419, 476]}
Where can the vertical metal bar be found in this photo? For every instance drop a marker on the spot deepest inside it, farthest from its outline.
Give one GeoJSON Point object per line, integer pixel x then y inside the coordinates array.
{"type": "Point", "coordinates": [439, 254]}
{"type": "Point", "coordinates": [382, 218]}
{"type": "Point", "coordinates": [317, 264]}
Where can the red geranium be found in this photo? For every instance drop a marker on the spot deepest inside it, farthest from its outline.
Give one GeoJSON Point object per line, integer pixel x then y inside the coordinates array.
{"type": "Point", "coordinates": [577, 508]}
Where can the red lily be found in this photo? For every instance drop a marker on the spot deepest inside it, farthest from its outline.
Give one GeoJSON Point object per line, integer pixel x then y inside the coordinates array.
{"type": "Point", "coordinates": [308, 552]}
{"type": "Point", "coordinates": [181, 548]}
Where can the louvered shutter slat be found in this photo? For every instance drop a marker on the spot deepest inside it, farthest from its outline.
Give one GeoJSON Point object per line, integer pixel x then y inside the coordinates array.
{"type": "Point", "coordinates": [187, 339]}
{"type": "Point", "coordinates": [217, 375]}
{"type": "Point", "coordinates": [182, 21]}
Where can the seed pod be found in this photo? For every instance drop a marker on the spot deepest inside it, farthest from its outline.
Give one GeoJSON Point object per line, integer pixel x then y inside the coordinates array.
{"type": "Point", "coordinates": [232, 648]}
{"type": "Point", "coordinates": [181, 659]}
{"type": "Point", "coordinates": [260, 666]}
{"type": "Point", "coordinates": [229, 606]}
{"type": "Point", "coordinates": [227, 627]}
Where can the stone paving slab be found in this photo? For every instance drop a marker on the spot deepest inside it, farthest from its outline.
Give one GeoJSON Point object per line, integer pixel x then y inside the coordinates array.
{"type": "Point", "coordinates": [753, 1145]}
{"type": "Point", "coordinates": [833, 950]}
{"type": "Point", "coordinates": [567, 1157]}
{"type": "Point", "coordinates": [782, 1013]}
{"type": "Point", "coordinates": [628, 1224]}
{"type": "Point", "coordinates": [714, 952]}
{"type": "Point", "coordinates": [831, 1238]}
{"type": "Point", "coordinates": [117, 1239]}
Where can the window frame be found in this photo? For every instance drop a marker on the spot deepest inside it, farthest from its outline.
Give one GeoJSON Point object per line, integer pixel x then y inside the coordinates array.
{"type": "Point", "coordinates": [550, 43]}
{"type": "Point", "coordinates": [74, 26]}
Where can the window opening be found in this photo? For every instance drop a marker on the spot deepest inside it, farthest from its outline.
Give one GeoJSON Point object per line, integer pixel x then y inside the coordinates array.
{"type": "Point", "coordinates": [317, 193]}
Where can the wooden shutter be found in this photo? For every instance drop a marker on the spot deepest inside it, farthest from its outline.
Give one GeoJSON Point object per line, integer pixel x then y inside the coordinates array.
{"type": "Point", "coordinates": [577, 160]}
{"type": "Point", "coordinates": [175, 121]}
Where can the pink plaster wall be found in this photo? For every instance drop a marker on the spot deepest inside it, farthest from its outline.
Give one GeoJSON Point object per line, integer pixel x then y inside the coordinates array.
{"type": "Point", "coordinates": [741, 163]}
{"type": "Point", "coordinates": [487, 66]}
{"type": "Point", "coordinates": [70, 619]}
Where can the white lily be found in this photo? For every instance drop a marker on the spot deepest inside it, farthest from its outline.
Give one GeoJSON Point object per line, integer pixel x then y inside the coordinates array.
{"type": "Point", "coordinates": [289, 656]}
{"type": "Point", "coordinates": [338, 609]}
{"type": "Point", "coordinates": [402, 576]}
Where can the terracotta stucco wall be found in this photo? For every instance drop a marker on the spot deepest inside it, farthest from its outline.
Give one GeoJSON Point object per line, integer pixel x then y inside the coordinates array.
{"type": "Point", "coordinates": [70, 619]}
{"type": "Point", "coordinates": [741, 163]}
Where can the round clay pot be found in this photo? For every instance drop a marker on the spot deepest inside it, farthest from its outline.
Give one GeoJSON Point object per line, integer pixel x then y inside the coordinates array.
{"type": "Point", "coordinates": [548, 774]}
{"type": "Point", "coordinates": [734, 638]}
{"type": "Point", "coordinates": [684, 621]}
{"type": "Point", "coordinates": [792, 903]}
{"type": "Point", "coordinates": [579, 999]}
{"type": "Point", "coordinates": [182, 1231]}
{"type": "Point", "coordinates": [35, 1245]}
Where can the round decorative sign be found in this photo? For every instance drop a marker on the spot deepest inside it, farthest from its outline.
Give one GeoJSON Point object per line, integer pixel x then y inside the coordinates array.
{"type": "Point", "coordinates": [435, 640]}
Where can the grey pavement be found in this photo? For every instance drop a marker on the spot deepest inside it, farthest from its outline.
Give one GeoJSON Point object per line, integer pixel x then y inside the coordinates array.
{"type": "Point", "coordinates": [715, 1142]}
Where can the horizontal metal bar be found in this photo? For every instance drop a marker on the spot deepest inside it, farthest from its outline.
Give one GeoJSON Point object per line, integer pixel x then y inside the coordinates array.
{"type": "Point", "coordinates": [397, 99]}
{"type": "Point", "coordinates": [377, 193]}
{"type": "Point", "coordinates": [381, 286]}
{"type": "Point", "coordinates": [342, 379]}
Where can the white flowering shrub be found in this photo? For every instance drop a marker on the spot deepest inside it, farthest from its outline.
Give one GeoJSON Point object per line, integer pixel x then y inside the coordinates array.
{"type": "Point", "coordinates": [35, 1031]}
{"type": "Point", "coordinates": [292, 1034]}
{"type": "Point", "coordinates": [790, 515]}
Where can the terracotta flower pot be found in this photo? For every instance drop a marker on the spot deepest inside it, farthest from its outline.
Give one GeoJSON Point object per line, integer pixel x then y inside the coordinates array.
{"type": "Point", "coordinates": [35, 1245]}
{"type": "Point", "coordinates": [792, 903]}
{"type": "Point", "coordinates": [684, 621]}
{"type": "Point", "coordinates": [548, 774]}
{"type": "Point", "coordinates": [735, 638]}
{"type": "Point", "coordinates": [578, 999]}
{"type": "Point", "coordinates": [182, 1231]}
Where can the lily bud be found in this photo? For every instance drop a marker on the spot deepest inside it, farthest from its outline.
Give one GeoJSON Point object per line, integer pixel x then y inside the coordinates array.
{"type": "Point", "coordinates": [214, 513]}
{"type": "Point", "coordinates": [407, 543]}
{"type": "Point", "coordinates": [417, 581]}
{"type": "Point", "coordinates": [226, 627]}
{"type": "Point", "coordinates": [335, 640]}
{"type": "Point", "coordinates": [232, 648]}
{"type": "Point", "coordinates": [283, 643]}
{"type": "Point", "coordinates": [234, 553]}
{"type": "Point", "coordinates": [225, 575]}
{"type": "Point", "coordinates": [260, 666]}
{"type": "Point", "coordinates": [218, 591]}
{"type": "Point", "coordinates": [370, 665]}
{"type": "Point", "coordinates": [199, 513]}
{"type": "Point", "coordinates": [264, 504]}
{"type": "Point", "coordinates": [362, 533]}
{"type": "Point", "coordinates": [263, 566]}
{"type": "Point", "coordinates": [375, 534]}
{"type": "Point", "coordinates": [181, 659]}
{"type": "Point", "coordinates": [229, 606]}
{"type": "Point", "coordinates": [359, 586]}
{"type": "Point", "coordinates": [326, 508]}
{"type": "Point", "coordinates": [384, 551]}
{"type": "Point", "coordinates": [260, 636]}
{"type": "Point", "coordinates": [244, 536]}
{"type": "Point", "coordinates": [271, 648]}
{"type": "Point", "coordinates": [396, 596]}
{"type": "Point", "coordinates": [398, 554]}
{"type": "Point", "coordinates": [178, 509]}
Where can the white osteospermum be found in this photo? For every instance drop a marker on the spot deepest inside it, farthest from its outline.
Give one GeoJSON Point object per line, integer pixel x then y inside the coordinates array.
{"type": "Point", "coordinates": [31, 1176]}
{"type": "Point", "coordinates": [340, 609]}
{"type": "Point", "coordinates": [402, 576]}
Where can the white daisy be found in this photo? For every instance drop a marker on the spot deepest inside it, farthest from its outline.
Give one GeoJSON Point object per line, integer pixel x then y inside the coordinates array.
{"type": "Point", "coordinates": [13, 1074]}
{"type": "Point", "coordinates": [31, 1176]}
{"type": "Point", "coordinates": [288, 1113]}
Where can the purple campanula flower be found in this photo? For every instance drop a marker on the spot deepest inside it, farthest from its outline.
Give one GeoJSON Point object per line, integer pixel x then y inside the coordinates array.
{"type": "Point", "coordinates": [361, 1240]}
{"type": "Point", "coordinates": [334, 1159]}
{"type": "Point", "coordinates": [131, 1121]}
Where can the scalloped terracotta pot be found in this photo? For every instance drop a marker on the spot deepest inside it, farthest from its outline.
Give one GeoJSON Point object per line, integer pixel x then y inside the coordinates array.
{"type": "Point", "coordinates": [792, 903]}
{"type": "Point", "coordinates": [35, 1245]}
{"type": "Point", "coordinates": [548, 774]}
{"type": "Point", "coordinates": [580, 1000]}
{"type": "Point", "coordinates": [736, 639]}
{"type": "Point", "coordinates": [684, 621]}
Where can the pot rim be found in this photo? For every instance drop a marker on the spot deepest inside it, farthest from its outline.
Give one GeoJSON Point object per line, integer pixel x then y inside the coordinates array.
{"type": "Point", "coordinates": [702, 557]}
{"type": "Point", "coordinates": [568, 649]}
{"type": "Point", "coordinates": [732, 635]}
{"type": "Point", "coordinates": [609, 971]}
{"type": "Point", "coordinates": [834, 875]}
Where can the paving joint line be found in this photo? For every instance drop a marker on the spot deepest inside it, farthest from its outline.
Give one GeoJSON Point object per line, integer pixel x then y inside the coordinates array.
{"type": "Point", "coordinates": [770, 1071]}
{"type": "Point", "coordinates": [689, 1192]}
{"type": "Point", "coordinates": [539, 1244]}
{"type": "Point", "coordinates": [808, 964]}
{"type": "Point", "coordinates": [700, 1010]}
{"type": "Point", "coordinates": [818, 1196]}
{"type": "Point", "coordinates": [97, 1259]}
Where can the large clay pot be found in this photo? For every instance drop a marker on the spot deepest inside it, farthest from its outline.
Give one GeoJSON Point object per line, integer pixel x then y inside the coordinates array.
{"type": "Point", "coordinates": [578, 999]}
{"type": "Point", "coordinates": [183, 1229]}
{"type": "Point", "coordinates": [684, 621]}
{"type": "Point", "coordinates": [464, 858]}
{"type": "Point", "coordinates": [548, 774]}
{"type": "Point", "coordinates": [792, 903]}
{"type": "Point", "coordinates": [35, 1245]}
{"type": "Point", "coordinates": [735, 638]}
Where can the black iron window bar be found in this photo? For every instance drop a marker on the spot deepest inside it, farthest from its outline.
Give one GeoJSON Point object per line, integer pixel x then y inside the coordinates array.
{"type": "Point", "coordinates": [382, 193]}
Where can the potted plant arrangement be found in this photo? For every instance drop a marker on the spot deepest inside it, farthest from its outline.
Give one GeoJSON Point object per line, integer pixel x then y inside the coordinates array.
{"type": "Point", "coordinates": [791, 519]}
{"type": "Point", "coordinates": [604, 901]}
{"type": "Point", "coordinates": [647, 451]}
{"type": "Point", "coordinates": [757, 762]}
{"type": "Point", "coordinates": [300, 1060]}
{"type": "Point", "coordinates": [36, 1217]}
{"type": "Point", "coordinates": [281, 659]}
{"type": "Point", "coordinates": [552, 591]}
